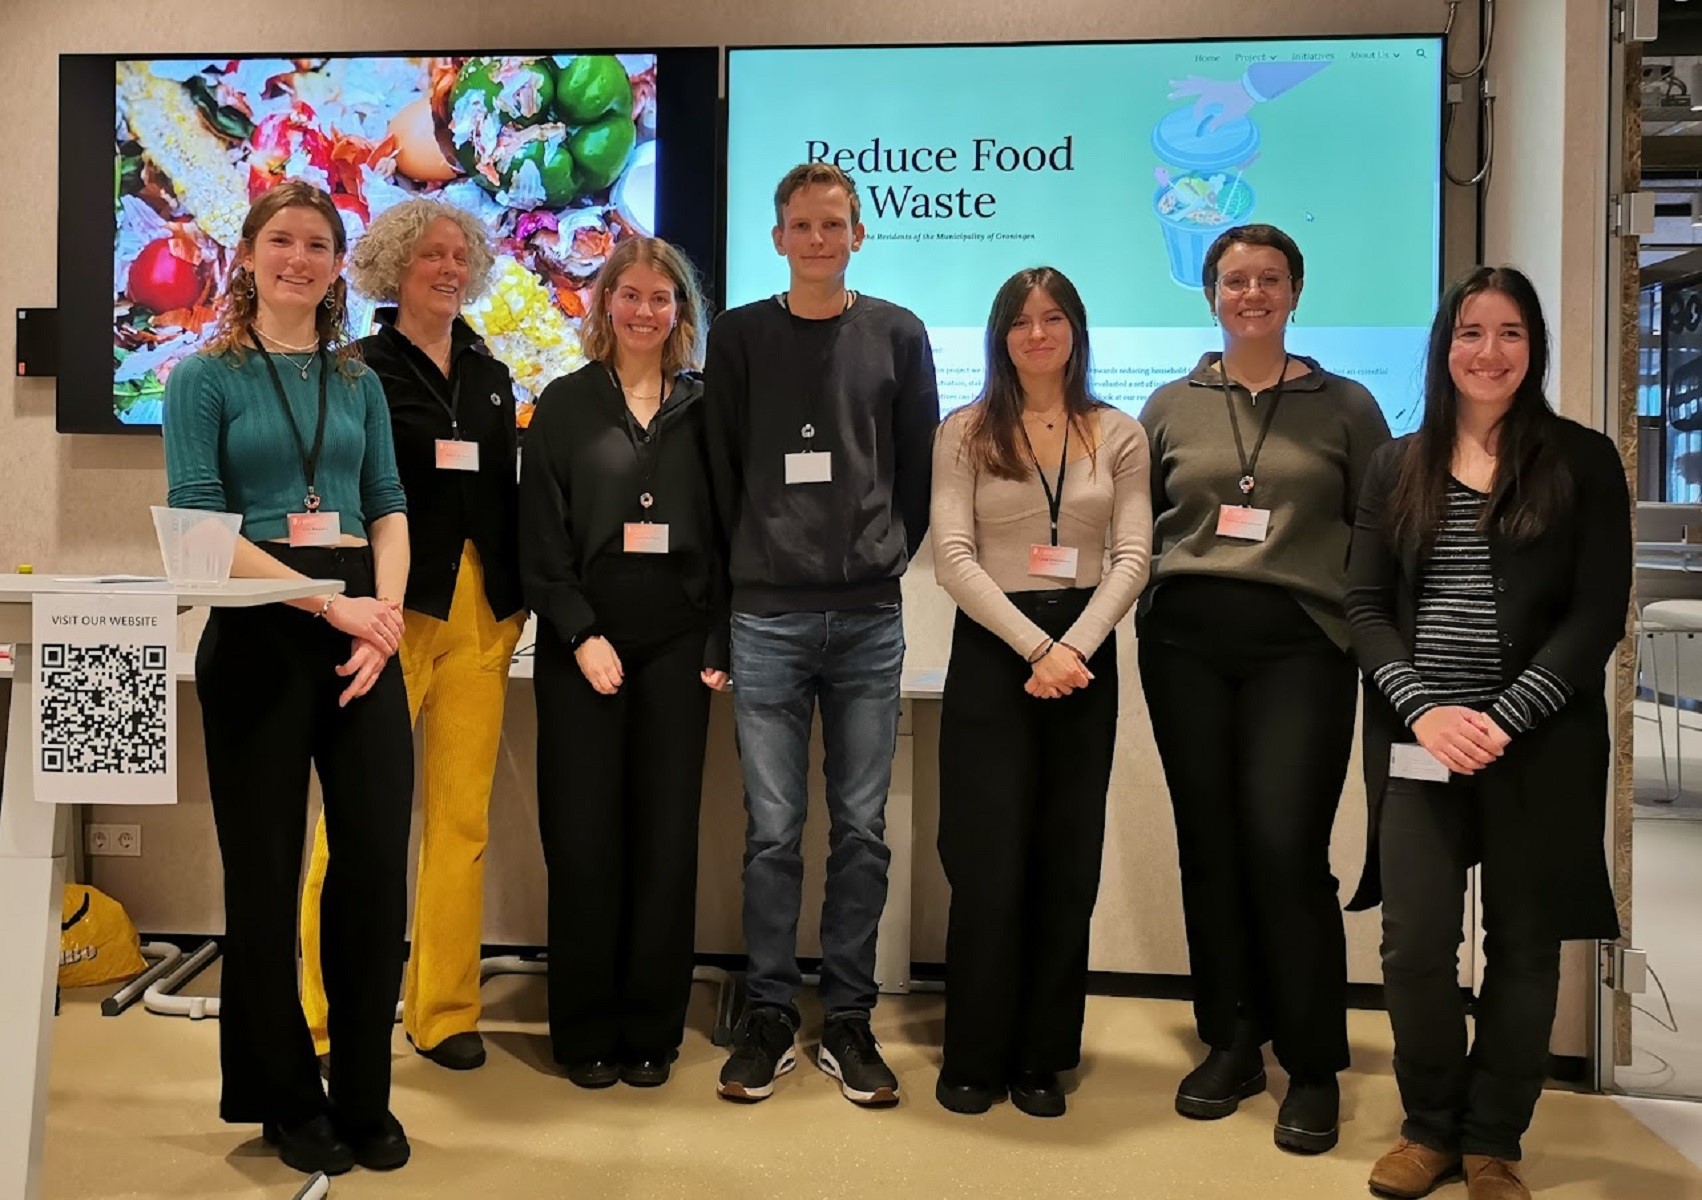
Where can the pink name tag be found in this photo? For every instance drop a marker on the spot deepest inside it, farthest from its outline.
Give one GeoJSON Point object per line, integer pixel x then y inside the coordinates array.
{"type": "Point", "coordinates": [1054, 562]}
{"type": "Point", "coordinates": [644, 537]}
{"type": "Point", "coordinates": [1247, 524]}
{"type": "Point", "coordinates": [456, 455]}
{"type": "Point", "coordinates": [315, 528]}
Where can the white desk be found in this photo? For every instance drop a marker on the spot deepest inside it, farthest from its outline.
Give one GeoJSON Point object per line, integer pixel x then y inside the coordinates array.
{"type": "Point", "coordinates": [32, 868]}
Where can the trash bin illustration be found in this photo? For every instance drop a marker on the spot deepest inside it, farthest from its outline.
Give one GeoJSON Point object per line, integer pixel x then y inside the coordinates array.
{"type": "Point", "coordinates": [1201, 189]}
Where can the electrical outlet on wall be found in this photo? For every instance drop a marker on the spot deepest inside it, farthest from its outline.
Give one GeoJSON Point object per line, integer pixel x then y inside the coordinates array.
{"type": "Point", "coordinates": [117, 841]}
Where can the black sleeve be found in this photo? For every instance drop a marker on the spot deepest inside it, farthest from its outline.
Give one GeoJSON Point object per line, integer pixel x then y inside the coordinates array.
{"type": "Point", "coordinates": [1599, 593]}
{"type": "Point", "coordinates": [915, 417]}
{"type": "Point", "coordinates": [549, 559]}
{"type": "Point", "coordinates": [1374, 569]}
{"type": "Point", "coordinates": [1367, 433]}
{"type": "Point", "coordinates": [724, 401]}
{"type": "Point", "coordinates": [717, 652]}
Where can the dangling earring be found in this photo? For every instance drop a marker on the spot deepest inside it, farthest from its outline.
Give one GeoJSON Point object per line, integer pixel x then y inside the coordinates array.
{"type": "Point", "coordinates": [244, 285]}
{"type": "Point", "coordinates": [334, 303]}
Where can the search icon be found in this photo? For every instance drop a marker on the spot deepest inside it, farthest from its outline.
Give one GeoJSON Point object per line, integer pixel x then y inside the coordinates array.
{"type": "Point", "coordinates": [1421, 51]}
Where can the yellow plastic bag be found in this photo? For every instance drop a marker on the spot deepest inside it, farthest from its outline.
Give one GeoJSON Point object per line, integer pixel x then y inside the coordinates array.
{"type": "Point", "coordinates": [97, 942]}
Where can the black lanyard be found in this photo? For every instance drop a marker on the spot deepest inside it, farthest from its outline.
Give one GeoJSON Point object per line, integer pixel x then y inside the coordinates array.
{"type": "Point", "coordinates": [818, 375]}
{"type": "Point", "coordinates": [639, 439]}
{"type": "Point", "coordinates": [309, 458]}
{"type": "Point", "coordinates": [1054, 500]}
{"type": "Point", "coordinates": [1248, 465]}
{"type": "Point", "coordinates": [452, 406]}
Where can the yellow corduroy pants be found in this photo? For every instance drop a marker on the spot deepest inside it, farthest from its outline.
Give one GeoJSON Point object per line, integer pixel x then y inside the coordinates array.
{"type": "Point", "coordinates": [457, 678]}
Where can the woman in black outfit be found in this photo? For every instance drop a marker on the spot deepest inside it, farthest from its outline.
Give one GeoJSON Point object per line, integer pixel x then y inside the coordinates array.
{"type": "Point", "coordinates": [1488, 585]}
{"type": "Point", "coordinates": [617, 557]}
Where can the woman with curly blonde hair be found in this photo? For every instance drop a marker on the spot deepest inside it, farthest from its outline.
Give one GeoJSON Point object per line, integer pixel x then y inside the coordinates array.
{"type": "Point", "coordinates": [620, 561]}
{"type": "Point", "coordinates": [452, 413]}
{"type": "Point", "coordinates": [268, 423]}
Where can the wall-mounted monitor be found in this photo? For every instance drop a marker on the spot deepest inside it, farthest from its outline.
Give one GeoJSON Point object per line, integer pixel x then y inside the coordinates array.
{"type": "Point", "coordinates": [1118, 164]}
{"type": "Point", "coordinates": [561, 153]}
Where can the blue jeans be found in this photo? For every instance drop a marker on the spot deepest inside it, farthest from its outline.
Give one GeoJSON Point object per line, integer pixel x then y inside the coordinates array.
{"type": "Point", "coordinates": [850, 661]}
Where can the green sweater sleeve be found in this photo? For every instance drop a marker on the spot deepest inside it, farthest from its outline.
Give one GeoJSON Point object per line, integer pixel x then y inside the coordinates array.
{"type": "Point", "coordinates": [193, 421]}
{"type": "Point", "coordinates": [380, 485]}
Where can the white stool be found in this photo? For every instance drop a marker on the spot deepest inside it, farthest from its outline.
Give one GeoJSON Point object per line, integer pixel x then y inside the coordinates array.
{"type": "Point", "coordinates": [1674, 618]}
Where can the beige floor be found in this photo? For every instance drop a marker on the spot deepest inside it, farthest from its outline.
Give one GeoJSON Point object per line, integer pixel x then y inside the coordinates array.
{"type": "Point", "coordinates": [133, 1098]}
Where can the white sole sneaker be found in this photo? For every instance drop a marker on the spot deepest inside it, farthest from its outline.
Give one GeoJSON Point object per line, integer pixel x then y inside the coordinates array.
{"type": "Point", "coordinates": [882, 1097]}
{"type": "Point", "coordinates": [752, 1092]}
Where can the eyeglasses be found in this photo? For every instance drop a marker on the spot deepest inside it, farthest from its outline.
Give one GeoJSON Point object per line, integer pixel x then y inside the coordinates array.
{"type": "Point", "coordinates": [1240, 285]}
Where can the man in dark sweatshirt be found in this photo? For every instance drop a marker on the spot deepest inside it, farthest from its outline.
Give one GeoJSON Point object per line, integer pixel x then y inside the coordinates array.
{"type": "Point", "coordinates": [821, 406]}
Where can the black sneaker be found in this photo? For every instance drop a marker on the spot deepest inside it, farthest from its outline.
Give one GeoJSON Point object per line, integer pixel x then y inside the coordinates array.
{"type": "Point", "coordinates": [1218, 1085]}
{"type": "Point", "coordinates": [851, 1055]}
{"type": "Point", "coordinates": [763, 1051]}
{"type": "Point", "coordinates": [311, 1146]}
{"type": "Point", "coordinates": [1307, 1120]}
{"type": "Point", "coordinates": [1038, 1093]}
{"type": "Point", "coordinates": [378, 1145]}
{"type": "Point", "coordinates": [457, 1052]}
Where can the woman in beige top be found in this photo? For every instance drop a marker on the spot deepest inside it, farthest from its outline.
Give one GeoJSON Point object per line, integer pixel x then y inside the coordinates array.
{"type": "Point", "coordinates": [1042, 521]}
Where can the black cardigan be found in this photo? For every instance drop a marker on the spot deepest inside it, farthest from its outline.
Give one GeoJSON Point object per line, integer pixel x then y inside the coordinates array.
{"type": "Point", "coordinates": [449, 508]}
{"type": "Point", "coordinates": [1561, 600]}
{"type": "Point", "coordinates": [581, 483]}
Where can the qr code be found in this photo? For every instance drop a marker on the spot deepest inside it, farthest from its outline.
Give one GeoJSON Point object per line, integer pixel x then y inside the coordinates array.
{"type": "Point", "coordinates": [103, 710]}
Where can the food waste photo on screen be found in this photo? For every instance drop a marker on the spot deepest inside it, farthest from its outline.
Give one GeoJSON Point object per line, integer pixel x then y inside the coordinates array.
{"type": "Point", "coordinates": [556, 154]}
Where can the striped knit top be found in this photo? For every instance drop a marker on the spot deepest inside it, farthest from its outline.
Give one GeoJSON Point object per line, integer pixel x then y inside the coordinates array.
{"type": "Point", "coordinates": [228, 446]}
{"type": "Point", "coordinates": [1457, 647]}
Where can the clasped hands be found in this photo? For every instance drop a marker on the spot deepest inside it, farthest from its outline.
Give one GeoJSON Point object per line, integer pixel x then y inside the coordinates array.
{"type": "Point", "coordinates": [1461, 739]}
{"type": "Point", "coordinates": [1058, 672]}
{"type": "Point", "coordinates": [374, 626]}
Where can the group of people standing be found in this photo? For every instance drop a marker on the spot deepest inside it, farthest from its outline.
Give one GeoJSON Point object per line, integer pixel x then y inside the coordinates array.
{"type": "Point", "coordinates": [704, 507]}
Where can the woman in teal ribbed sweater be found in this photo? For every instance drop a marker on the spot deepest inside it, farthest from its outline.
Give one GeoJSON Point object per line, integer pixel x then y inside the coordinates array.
{"type": "Point", "coordinates": [277, 421]}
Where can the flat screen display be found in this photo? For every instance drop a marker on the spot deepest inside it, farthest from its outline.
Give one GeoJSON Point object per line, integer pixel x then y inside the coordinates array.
{"type": "Point", "coordinates": [1117, 164]}
{"type": "Point", "coordinates": [559, 154]}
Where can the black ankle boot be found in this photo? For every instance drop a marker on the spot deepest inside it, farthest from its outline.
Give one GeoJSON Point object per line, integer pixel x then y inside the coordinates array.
{"type": "Point", "coordinates": [1218, 1085]}
{"type": "Point", "coordinates": [312, 1145]}
{"type": "Point", "coordinates": [963, 1096]}
{"type": "Point", "coordinates": [1038, 1093]}
{"type": "Point", "coordinates": [1307, 1121]}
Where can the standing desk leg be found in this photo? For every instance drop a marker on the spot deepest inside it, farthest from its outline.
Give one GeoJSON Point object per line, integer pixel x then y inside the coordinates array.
{"type": "Point", "coordinates": [32, 885]}
{"type": "Point", "coordinates": [892, 944]}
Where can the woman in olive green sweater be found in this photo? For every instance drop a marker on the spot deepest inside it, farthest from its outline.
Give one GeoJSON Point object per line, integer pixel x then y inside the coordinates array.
{"type": "Point", "coordinates": [1257, 457]}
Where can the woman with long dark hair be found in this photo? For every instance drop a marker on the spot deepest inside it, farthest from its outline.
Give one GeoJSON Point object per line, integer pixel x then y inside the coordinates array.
{"type": "Point", "coordinates": [276, 419]}
{"type": "Point", "coordinates": [1042, 523]}
{"type": "Point", "coordinates": [1488, 586]}
{"type": "Point", "coordinates": [1257, 456]}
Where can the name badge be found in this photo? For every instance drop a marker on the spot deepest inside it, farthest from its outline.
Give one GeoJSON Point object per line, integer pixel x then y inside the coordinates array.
{"type": "Point", "coordinates": [1245, 524]}
{"type": "Point", "coordinates": [1408, 760]}
{"type": "Point", "coordinates": [644, 537]}
{"type": "Point", "coordinates": [455, 455]}
{"type": "Point", "coordinates": [809, 468]}
{"type": "Point", "coordinates": [315, 528]}
{"type": "Point", "coordinates": [1054, 562]}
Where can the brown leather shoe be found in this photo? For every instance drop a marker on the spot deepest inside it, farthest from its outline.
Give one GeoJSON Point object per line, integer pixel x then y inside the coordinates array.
{"type": "Point", "coordinates": [1411, 1170]}
{"type": "Point", "coordinates": [1493, 1179]}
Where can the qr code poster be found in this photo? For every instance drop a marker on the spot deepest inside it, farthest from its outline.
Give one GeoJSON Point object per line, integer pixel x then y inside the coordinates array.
{"type": "Point", "coordinates": [105, 698]}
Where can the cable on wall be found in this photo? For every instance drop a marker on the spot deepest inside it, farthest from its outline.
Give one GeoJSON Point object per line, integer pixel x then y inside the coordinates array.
{"type": "Point", "coordinates": [1456, 93]}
